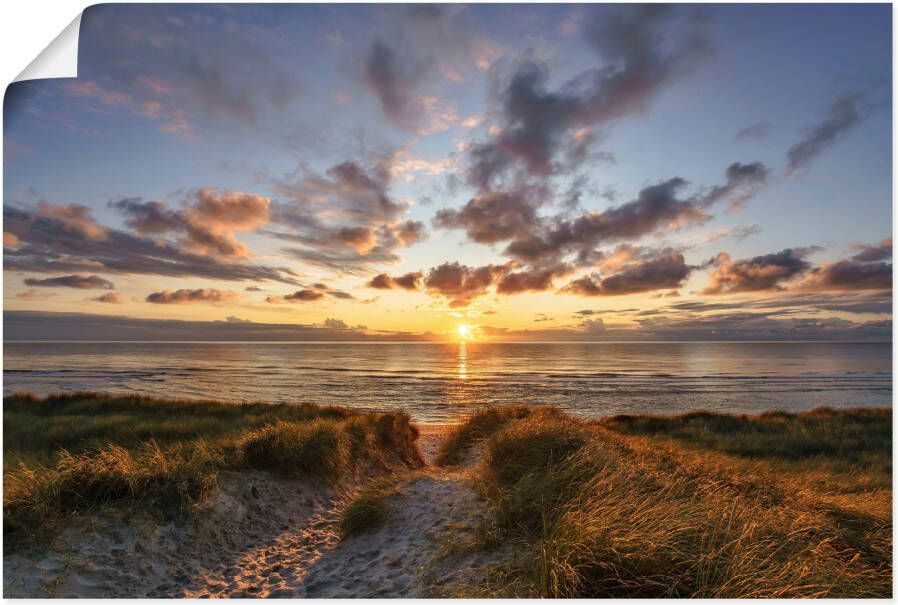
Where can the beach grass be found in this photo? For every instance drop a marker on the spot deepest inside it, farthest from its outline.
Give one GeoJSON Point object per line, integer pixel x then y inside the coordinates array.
{"type": "Point", "coordinates": [480, 424]}
{"type": "Point", "coordinates": [698, 505]}
{"type": "Point", "coordinates": [164, 456]}
{"type": "Point", "coordinates": [369, 508]}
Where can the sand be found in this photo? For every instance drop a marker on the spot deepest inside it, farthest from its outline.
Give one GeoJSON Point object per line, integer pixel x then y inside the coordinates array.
{"type": "Point", "coordinates": [281, 541]}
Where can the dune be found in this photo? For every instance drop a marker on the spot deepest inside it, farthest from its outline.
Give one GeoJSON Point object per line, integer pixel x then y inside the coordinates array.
{"type": "Point", "coordinates": [514, 501]}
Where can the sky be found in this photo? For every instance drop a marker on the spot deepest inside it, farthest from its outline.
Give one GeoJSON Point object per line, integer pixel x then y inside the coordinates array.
{"type": "Point", "coordinates": [486, 172]}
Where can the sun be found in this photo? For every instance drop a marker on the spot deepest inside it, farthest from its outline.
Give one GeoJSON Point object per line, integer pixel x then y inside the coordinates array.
{"type": "Point", "coordinates": [464, 332]}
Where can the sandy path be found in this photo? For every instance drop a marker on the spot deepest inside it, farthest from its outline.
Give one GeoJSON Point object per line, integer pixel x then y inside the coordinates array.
{"type": "Point", "coordinates": [280, 541]}
{"type": "Point", "coordinates": [240, 544]}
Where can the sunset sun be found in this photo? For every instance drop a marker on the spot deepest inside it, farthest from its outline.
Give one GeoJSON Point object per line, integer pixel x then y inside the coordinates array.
{"type": "Point", "coordinates": [464, 332]}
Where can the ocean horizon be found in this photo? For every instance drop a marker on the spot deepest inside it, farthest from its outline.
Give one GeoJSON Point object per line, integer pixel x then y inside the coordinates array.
{"type": "Point", "coordinates": [442, 382]}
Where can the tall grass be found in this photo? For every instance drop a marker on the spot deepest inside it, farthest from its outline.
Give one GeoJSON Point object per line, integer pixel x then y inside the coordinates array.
{"type": "Point", "coordinates": [480, 424]}
{"type": "Point", "coordinates": [190, 443]}
{"type": "Point", "coordinates": [617, 514]}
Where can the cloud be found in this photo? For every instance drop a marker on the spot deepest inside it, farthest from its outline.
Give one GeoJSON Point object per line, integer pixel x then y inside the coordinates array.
{"type": "Point", "coordinates": [85, 282]}
{"type": "Point", "coordinates": [878, 252]}
{"type": "Point", "coordinates": [593, 326]}
{"type": "Point", "coordinates": [305, 295]}
{"type": "Point", "coordinates": [492, 217]}
{"type": "Point", "coordinates": [460, 283]}
{"type": "Point", "coordinates": [394, 82]}
{"type": "Point", "coordinates": [33, 325]}
{"type": "Point", "coordinates": [184, 81]}
{"type": "Point", "coordinates": [409, 281]}
{"type": "Point", "coordinates": [424, 43]}
{"type": "Point", "coordinates": [666, 271]}
{"type": "Point", "coordinates": [53, 241]}
{"type": "Point", "coordinates": [758, 130]}
{"type": "Point", "coordinates": [765, 272]}
{"type": "Point", "coordinates": [849, 275]}
{"type": "Point", "coordinates": [657, 206]}
{"type": "Point", "coordinates": [110, 297]}
{"type": "Point", "coordinates": [74, 218]}
{"type": "Point", "coordinates": [207, 222]}
{"type": "Point", "coordinates": [182, 296]}
{"type": "Point", "coordinates": [537, 279]}
{"type": "Point", "coordinates": [791, 302]}
{"type": "Point", "coordinates": [253, 289]}
{"type": "Point", "coordinates": [345, 220]}
{"type": "Point", "coordinates": [333, 292]}
{"type": "Point", "coordinates": [742, 182]}
{"type": "Point", "coordinates": [335, 324]}
{"type": "Point", "coordinates": [536, 122]}
{"type": "Point", "coordinates": [843, 115]}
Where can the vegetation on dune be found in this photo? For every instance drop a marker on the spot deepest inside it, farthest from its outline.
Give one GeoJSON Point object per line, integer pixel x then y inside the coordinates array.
{"type": "Point", "coordinates": [369, 508]}
{"type": "Point", "coordinates": [171, 458]}
{"type": "Point", "coordinates": [479, 425]}
{"type": "Point", "coordinates": [613, 513]}
{"type": "Point", "coordinates": [38, 429]}
{"type": "Point", "coordinates": [849, 435]}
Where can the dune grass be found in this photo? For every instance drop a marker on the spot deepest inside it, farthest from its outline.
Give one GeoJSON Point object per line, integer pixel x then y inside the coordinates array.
{"type": "Point", "coordinates": [170, 457]}
{"type": "Point", "coordinates": [701, 505]}
{"type": "Point", "coordinates": [479, 425]}
{"type": "Point", "coordinates": [36, 430]}
{"type": "Point", "coordinates": [369, 508]}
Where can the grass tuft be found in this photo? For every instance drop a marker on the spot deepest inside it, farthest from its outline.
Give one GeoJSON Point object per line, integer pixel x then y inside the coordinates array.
{"type": "Point", "coordinates": [369, 508]}
{"type": "Point", "coordinates": [479, 425]}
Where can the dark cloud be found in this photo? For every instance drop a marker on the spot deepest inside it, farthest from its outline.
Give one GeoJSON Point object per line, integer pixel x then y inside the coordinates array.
{"type": "Point", "coordinates": [591, 312]}
{"type": "Point", "coordinates": [765, 272]}
{"type": "Point", "coordinates": [345, 220]}
{"type": "Point", "coordinates": [492, 217]}
{"type": "Point", "coordinates": [758, 130]}
{"type": "Point", "coordinates": [461, 284]}
{"type": "Point", "coordinates": [30, 325]}
{"type": "Point", "coordinates": [642, 49]}
{"type": "Point", "coordinates": [409, 281]}
{"type": "Point", "coordinates": [182, 296]}
{"type": "Point", "coordinates": [304, 296]}
{"type": "Point", "coordinates": [657, 206]}
{"type": "Point", "coordinates": [593, 326]}
{"type": "Point", "coordinates": [742, 182]}
{"type": "Point", "coordinates": [665, 271]}
{"type": "Point", "coordinates": [394, 81]}
{"type": "Point", "coordinates": [878, 252]}
{"type": "Point", "coordinates": [254, 289]}
{"type": "Point", "coordinates": [53, 239]}
{"type": "Point", "coordinates": [532, 279]}
{"type": "Point", "coordinates": [110, 297]}
{"type": "Point", "coordinates": [206, 222]}
{"type": "Point", "coordinates": [333, 292]}
{"type": "Point", "coordinates": [849, 275]}
{"type": "Point", "coordinates": [86, 282]}
{"type": "Point", "coordinates": [793, 302]}
{"type": "Point", "coordinates": [843, 115]}
{"type": "Point", "coordinates": [335, 324]}
{"type": "Point", "coordinates": [191, 72]}
{"type": "Point", "coordinates": [422, 43]}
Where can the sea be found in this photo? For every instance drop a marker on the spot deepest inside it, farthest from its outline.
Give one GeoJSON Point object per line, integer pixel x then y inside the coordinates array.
{"type": "Point", "coordinates": [443, 382]}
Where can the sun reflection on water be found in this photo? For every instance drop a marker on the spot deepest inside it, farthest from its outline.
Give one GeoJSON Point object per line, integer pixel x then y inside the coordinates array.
{"type": "Point", "coordinates": [462, 369]}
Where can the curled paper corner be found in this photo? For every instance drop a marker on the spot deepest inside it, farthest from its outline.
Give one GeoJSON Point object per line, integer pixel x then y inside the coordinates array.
{"type": "Point", "coordinates": [59, 59]}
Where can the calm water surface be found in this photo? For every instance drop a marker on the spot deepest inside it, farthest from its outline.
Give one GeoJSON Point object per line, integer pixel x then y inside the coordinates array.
{"type": "Point", "coordinates": [439, 382]}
